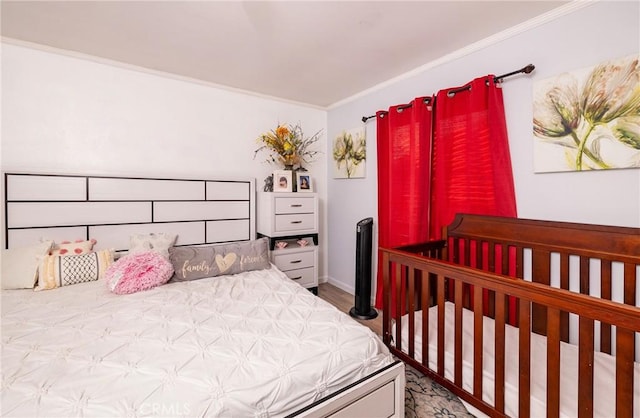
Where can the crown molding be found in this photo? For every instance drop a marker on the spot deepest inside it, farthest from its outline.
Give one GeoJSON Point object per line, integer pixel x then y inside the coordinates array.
{"type": "Point", "coordinates": [474, 47]}
{"type": "Point", "coordinates": [157, 73]}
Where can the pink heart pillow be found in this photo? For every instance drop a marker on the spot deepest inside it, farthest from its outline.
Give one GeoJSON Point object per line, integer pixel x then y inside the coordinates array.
{"type": "Point", "coordinates": [135, 272]}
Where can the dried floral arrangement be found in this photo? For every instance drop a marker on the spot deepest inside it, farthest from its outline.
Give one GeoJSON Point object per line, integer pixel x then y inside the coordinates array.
{"type": "Point", "coordinates": [287, 145]}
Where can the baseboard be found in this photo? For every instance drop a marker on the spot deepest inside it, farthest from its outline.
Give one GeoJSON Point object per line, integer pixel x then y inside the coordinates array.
{"type": "Point", "coordinates": [340, 285]}
{"type": "Point", "coordinates": [349, 289]}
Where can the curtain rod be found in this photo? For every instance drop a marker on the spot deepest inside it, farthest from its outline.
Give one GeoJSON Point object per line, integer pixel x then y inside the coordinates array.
{"type": "Point", "coordinates": [527, 69]}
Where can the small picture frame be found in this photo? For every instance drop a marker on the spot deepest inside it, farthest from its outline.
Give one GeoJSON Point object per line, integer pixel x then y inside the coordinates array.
{"type": "Point", "coordinates": [304, 182]}
{"type": "Point", "coordinates": [282, 181]}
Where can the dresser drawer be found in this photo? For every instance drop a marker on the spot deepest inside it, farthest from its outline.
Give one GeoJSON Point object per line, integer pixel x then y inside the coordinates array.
{"type": "Point", "coordinates": [296, 260]}
{"type": "Point", "coordinates": [304, 277]}
{"type": "Point", "coordinates": [295, 222]}
{"type": "Point", "coordinates": [287, 214]}
{"type": "Point", "coordinates": [294, 205]}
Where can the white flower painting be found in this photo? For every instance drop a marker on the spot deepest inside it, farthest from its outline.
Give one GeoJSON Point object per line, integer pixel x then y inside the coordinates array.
{"type": "Point", "coordinates": [350, 154]}
{"type": "Point", "coordinates": [588, 119]}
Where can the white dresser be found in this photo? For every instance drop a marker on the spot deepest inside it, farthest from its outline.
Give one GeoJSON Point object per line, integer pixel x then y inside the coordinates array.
{"type": "Point", "coordinates": [290, 218]}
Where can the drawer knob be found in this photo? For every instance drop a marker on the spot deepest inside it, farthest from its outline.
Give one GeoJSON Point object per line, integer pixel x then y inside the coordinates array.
{"type": "Point", "coordinates": [296, 222]}
{"type": "Point", "coordinates": [296, 206]}
{"type": "Point", "coordinates": [296, 278]}
{"type": "Point", "coordinates": [296, 261]}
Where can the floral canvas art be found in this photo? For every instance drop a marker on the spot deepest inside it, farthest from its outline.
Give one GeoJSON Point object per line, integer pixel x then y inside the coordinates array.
{"type": "Point", "coordinates": [349, 154]}
{"type": "Point", "coordinates": [588, 119]}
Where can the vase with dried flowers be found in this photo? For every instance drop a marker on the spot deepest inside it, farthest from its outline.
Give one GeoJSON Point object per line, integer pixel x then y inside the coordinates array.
{"type": "Point", "coordinates": [286, 145]}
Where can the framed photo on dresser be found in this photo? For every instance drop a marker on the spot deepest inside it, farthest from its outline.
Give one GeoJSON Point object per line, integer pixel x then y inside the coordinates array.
{"type": "Point", "coordinates": [304, 181]}
{"type": "Point", "coordinates": [283, 181]}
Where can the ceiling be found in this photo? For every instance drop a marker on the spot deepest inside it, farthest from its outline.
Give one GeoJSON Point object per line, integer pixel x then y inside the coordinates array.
{"type": "Point", "coordinates": [312, 52]}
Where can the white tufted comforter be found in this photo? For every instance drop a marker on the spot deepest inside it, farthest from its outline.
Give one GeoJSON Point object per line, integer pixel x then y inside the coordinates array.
{"type": "Point", "coordinates": [249, 345]}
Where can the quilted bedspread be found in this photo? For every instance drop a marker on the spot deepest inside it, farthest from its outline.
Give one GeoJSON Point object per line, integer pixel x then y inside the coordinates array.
{"type": "Point", "coordinates": [249, 345]}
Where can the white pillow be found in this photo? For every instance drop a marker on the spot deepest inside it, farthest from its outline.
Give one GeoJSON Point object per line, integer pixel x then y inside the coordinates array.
{"type": "Point", "coordinates": [158, 243]}
{"type": "Point", "coordinates": [20, 265]}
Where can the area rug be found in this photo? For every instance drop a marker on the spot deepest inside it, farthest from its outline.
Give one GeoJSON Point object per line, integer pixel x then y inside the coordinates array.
{"type": "Point", "coordinates": [425, 398]}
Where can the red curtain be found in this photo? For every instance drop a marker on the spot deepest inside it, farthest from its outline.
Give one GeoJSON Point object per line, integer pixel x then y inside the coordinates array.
{"type": "Point", "coordinates": [421, 186]}
{"type": "Point", "coordinates": [471, 161]}
{"type": "Point", "coordinates": [404, 157]}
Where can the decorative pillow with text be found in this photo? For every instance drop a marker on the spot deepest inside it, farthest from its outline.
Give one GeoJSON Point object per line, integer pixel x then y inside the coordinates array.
{"type": "Point", "coordinates": [191, 263]}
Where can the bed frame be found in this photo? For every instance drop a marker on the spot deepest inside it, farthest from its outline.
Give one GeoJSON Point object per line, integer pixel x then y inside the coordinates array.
{"type": "Point", "coordinates": [205, 211]}
{"type": "Point", "coordinates": [555, 279]}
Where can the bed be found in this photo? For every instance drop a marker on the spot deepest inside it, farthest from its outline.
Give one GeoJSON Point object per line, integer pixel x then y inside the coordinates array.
{"type": "Point", "coordinates": [249, 344]}
{"type": "Point", "coordinates": [554, 306]}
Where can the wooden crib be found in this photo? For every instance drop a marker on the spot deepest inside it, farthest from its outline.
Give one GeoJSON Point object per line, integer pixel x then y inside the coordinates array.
{"type": "Point", "coordinates": [504, 284]}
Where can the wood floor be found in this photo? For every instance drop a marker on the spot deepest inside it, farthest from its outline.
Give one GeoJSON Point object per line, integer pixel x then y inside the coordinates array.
{"type": "Point", "coordinates": [344, 302]}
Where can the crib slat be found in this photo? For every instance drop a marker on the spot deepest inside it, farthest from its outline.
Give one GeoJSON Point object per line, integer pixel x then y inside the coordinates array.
{"type": "Point", "coordinates": [471, 260]}
{"type": "Point", "coordinates": [564, 271]}
{"type": "Point", "coordinates": [553, 363]}
{"type": "Point", "coordinates": [411, 309]}
{"type": "Point", "coordinates": [630, 284]}
{"type": "Point", "coordinates": [511, 271]}
{"type": "Point", "coordinates": [478, 255]}
{"type": "Point", "coordinates": [605, 293]}
{"type": "Point", "coordinates": [478, 341]}
{"type": "Point", "coordinates": [455, 253]}
{"type": "Point", "coordinates": [540, 266]}
{"type": "Point", "coordinates": [564, 284]}
{"type": "Point", "coordinates": [505, 260]}
{"type": "Point", "coordinates": [500, 351]}
{"type": "Point", "coordinates": [492, 256]}
{"type": "Point", "coordinates": [441, 289]}
{"type": "Point", "coordinates": [520, 275]}
{"type": "Point", "coordinates": [585, 368]}
{"type": "Point", "coordinates": [454, 256]}
{"type": "Point", "coordinates": [519, 262]}
{"type": "Point", "coordinates": [424, 305]}
{"type": "Point", "coordinates": [386, 298]}
{"type": "Point", "coordinates": [584, 275]}
{"type": "Point", "coordinates": [457, 340]}
{"type": "Point", "coordinates": [467, 262]}
{"type": "Point", "coordinates": [524, 360]}
{"type": "Point", "coordinates": [398, 291]}
{"type": "Point", "coordinates": [491, 267]}
{"type": "Point", "coordinates": [625, 347]}
{"type": "Point", "coordinates": [624, 373]}
{"type": "Point", "coordinates": [584, 289]}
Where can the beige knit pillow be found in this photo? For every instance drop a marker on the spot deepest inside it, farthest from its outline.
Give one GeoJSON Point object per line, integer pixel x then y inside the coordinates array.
{"type": "Point", "coordinates": [56, 271]}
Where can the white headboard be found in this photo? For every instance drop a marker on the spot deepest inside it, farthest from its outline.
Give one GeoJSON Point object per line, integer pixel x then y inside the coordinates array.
{"type": "Point", "coordinates": [110, 209]}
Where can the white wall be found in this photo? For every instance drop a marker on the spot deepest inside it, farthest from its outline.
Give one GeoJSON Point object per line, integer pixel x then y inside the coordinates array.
{"type": "Point", "coordinates": [62, 114]}
{"type": "Point", "coordinates": [582, 38]}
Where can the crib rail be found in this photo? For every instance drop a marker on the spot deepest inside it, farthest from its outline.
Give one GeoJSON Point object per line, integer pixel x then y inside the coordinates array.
{"type": "Point", "coordinates": [598, 241]}
{"type": "Point", "coordinates": [414, 283]}
{"type": "Point", "coordinates": [596, 260]}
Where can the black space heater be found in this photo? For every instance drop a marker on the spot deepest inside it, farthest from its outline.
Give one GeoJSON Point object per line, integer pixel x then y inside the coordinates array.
{"type": "Point", "coordinates": [363, 309]}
